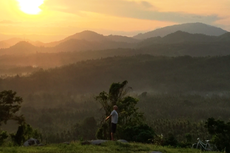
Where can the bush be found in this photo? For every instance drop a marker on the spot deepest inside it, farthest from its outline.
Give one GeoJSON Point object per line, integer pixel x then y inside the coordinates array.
{"type": "Point", "coordinates": [220, 132]}
{"type": "Point", "coordinates": [3, 136]}
{"type": "Point", "coordinates": [139, 133]}
{"type": "Point", "coordinates": [170, 140]}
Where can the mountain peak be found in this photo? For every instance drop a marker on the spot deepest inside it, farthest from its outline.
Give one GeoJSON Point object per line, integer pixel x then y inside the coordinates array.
{"type": "Point", "coordinates": [22, 44]}
{"type": "Point", "coordinates": [87, 35]}
{"type": "Point", "coordinates": [193, 28]}
{"type": "Point", "coordinates": [88, 32]}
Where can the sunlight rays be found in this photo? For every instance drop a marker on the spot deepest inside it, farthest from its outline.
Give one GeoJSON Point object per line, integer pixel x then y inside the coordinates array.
{"type": "Point", "coordinates": [30, 6]}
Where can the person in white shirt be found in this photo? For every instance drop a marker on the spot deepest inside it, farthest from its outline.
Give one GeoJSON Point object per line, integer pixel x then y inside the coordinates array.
{"type": "Point", "coordinates": [114, 120]}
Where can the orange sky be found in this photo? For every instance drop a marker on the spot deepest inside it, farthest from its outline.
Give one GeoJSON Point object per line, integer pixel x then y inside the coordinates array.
{"type": "Point", "coordinates": [60, 18]}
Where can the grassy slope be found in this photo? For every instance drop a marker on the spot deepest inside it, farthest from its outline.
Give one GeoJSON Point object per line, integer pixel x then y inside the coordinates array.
{"type": "Point", "coordinates": [109, 147]}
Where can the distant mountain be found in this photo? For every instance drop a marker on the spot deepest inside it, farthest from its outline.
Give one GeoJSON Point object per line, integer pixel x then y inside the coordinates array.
{"type": "Point", "coordinates": [37, 43]}
{"type": "Point", "coordinates": [118, 38]}
{"type": "Point", "coordinates": [183, 43]}
{"type": "Point", "coordinates": [87, 35]}
{"type": "Point", "coordinates": [225, 37]}
{"type": "Point", "coordinates": [193, 28]}
{"type": "Point", "coordinates": [92, 36]}
{"type": "Point", "coordinates": [84, 45]}
{"type": "Point", "coordinates": [179, 37]}
{"type": "Point", "coordinates": [20, 48]}
{"type": "Point", "coordinates": [13, 41]}
{"type": "Point", "coordinates": [178, 43]}
{"type": "Point", "coordinates": [70, 45]}
{"type": "Point", "coordinates": [9, 42]}
{"type": "Point", "coordinates": [73, 45]}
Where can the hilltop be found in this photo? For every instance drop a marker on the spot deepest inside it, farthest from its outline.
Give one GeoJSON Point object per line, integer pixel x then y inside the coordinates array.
{"type": "Point", "coordinates": [109, 147]}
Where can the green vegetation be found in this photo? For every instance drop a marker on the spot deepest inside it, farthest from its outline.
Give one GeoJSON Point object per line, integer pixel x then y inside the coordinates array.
{"type": "Point", "coordinates": [220, 132]}
{"type": "Point", "coordinates": [10, 105]}
{"type": "Point", "coordinates": [24, 132]}
{"type": "Point", "coordinates": [176, 95]}
{"type": "Point", "coordinates": [145, 73]}
{"type": "Point", "coordinates": [131, 125]}
{"type": "Point", "coordinates": [108, 147]}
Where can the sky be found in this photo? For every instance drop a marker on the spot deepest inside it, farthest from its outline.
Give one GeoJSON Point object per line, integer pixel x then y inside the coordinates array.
{"type": "Point", "coordinates": [50, 20]}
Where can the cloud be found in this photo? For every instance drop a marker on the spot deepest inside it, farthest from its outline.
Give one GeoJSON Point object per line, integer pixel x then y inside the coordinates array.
{"type": "Point", "coordinates": [8, 22]}
{"type": "Point", "coordinates": [146, 4]}
{"type": "Point", "coordinates": [129, 9]}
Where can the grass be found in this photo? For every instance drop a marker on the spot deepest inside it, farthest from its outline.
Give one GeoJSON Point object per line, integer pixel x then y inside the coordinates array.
{"type": "Point", "coordinates": [108, 147]}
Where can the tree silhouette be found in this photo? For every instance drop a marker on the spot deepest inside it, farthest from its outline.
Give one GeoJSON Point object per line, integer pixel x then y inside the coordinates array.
{"type": "Point", "coordinates": [128, 112]}
{"type": "Point", "coordinates": [9, 106]}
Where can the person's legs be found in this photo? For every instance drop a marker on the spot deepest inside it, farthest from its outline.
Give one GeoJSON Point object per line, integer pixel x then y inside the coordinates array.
{"type": "Point", "coordinates": [112, 136]}
{"type": "Point", "coordinates": [113, 130]}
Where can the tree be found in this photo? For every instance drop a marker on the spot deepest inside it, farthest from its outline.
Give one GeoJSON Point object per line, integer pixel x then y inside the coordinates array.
{"type": "Point", "coordinates": [25, 132]}
{"type": "Point", "coordinates": [220, 132]}
{"type": "Point", "coordinates": [3, 136]}
{"type": "Point", "coordinates": [9, 106]}
{"type": "Point", "coordinates": [129, 117]}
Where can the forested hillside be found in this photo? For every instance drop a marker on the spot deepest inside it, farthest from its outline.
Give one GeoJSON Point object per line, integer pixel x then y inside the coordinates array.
{"type": "Point", "coordinates": [176, 94]}
{"type": "Point", "coordinates": [146, 73]}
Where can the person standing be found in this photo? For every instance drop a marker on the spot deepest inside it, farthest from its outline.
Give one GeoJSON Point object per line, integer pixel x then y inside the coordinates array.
{"type": "Point", "coordinates": [114, 121]}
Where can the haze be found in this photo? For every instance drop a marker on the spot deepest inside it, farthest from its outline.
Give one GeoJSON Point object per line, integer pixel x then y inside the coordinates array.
{"type": "Point", "coordinates": [55, 19]}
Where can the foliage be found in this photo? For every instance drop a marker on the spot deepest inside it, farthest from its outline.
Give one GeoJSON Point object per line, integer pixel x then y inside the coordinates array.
{"type": "Point", "coordinates": [220, 132]}
{"type": "Point", "coordinates": [3, 136]}
{"type": "Point", "coordinates": [86, 130]}
{"type": "Point", "coordinates": [139, 133]}
{"type": "Point", "coordinates": [54, 113]}
{"type": "Point", "coordinates": [81, 130]}
{"type": "Point", "coordinates": [25, 132]}
{"type": "Point", "coordinates": [129, 117]}
{"type": "Point", "coordinates": [170, 140]}
{"type": "Point", "coordinates": [55, 100]}
{"type": "Point", "coordinates": [183, 74]}
{"type": "Point", "coordinates": [9, 106]}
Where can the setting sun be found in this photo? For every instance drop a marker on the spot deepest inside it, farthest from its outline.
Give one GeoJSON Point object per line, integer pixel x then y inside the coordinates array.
{"type": "Point", "coordinates": [30, 6]}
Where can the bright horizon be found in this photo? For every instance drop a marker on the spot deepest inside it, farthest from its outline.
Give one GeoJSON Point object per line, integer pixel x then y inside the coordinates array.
{"type": "Point", "coordinates": [50, 20]}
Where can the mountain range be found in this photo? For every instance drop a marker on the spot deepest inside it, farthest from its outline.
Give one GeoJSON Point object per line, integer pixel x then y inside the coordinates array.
{"type": "Point", "coordinates": [187, 36]}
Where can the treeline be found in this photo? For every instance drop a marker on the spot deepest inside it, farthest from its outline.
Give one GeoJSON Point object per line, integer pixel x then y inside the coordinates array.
{"type": "Point", "coordinates": [71, 117]}
{"type": "Point", "coordinates": [145, 72]}
{"type": "Point", "coordinates": [178, 115]}
{"type": "Point", "coordinates": [191, 107]}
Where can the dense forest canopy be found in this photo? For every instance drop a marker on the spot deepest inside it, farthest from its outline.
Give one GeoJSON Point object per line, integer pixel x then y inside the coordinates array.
{"type": "Point", "coordinates": [183, 74]}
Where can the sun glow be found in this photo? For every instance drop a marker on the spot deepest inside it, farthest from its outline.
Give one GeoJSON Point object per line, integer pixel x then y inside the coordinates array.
{"type": "Point", "coordinates": [30, 6]}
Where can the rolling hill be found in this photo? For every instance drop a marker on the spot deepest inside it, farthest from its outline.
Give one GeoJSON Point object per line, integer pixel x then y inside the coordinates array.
{"type": "Point", "coordinates": [183, 43]}
{"type": "Point", "coordinates": [145, 73]}
{"type": "Point", "coordinates": [20, 48]}
{"type": "Point", "coordinates": [185, 37]}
